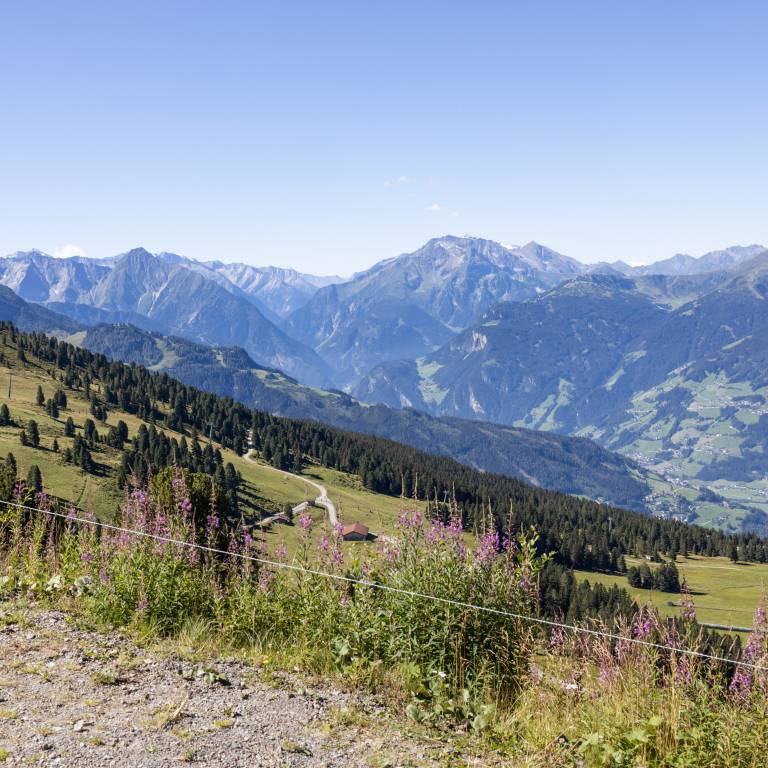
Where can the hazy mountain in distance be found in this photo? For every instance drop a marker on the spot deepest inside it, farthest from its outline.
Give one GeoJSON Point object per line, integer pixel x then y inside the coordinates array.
{"type": "Point", "coordinates": [161, 293]}
{"type": "Point", "coordinates": [726, 259]}
{"type": "Point", "coordinates": [407, 306]}
{"type": "Point", "coordinates": [274, 290]}
{"type": "Point", "coordinates": [283, 291]}
{"type": "Point", "coordinates": [35, 276]}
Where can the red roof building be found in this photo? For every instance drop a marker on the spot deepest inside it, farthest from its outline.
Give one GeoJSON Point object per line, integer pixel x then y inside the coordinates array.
{"type": "Point", "coordinates": [354, 532]}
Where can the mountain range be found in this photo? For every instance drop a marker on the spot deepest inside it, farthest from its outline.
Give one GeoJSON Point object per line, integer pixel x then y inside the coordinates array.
{"type": "Point", "coordinates": [165, 293]}
{"type": "Point", "coordinates": [571, 465]}
{"type": "Point", "coordinates": [407, 306]}
{"type": "Point", "coordinates": [462, 340]}
{"type": "Point", "coordinates": [684, 264]}
{"type": "Point", "coordinates": [676, 385]}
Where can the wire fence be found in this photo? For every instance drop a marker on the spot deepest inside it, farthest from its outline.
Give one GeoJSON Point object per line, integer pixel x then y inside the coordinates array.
{"type": "Point", "coordinates": [550, 623]}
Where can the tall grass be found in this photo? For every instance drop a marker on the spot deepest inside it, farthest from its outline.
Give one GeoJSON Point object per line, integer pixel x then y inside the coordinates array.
{"type": "Point", "coordinates": [560, 699]}
{"type": "Point", "coordinates": [123, 579]}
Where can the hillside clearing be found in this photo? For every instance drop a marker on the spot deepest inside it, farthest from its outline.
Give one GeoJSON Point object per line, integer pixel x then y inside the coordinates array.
{"type": "Point", "coordinates": [723, 592]}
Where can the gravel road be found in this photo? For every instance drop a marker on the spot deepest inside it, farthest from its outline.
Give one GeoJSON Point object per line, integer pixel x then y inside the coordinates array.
{"type": "Point", "coordinates": [322, 500]}
{"type": "Point", "coordinates": [70, 697]}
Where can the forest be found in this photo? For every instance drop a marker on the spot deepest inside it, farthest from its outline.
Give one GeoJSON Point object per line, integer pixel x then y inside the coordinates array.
{"type": "Point", "coordinates": [581, 533]}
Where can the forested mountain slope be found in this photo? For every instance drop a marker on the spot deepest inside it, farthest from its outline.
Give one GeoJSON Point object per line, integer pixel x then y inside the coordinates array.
{"type": "Point", "coordinates": [549, 460]}
{"type": "Point", "coordinates": [619, 359]}
{"type": "Point", "coordinates": [581, 532]}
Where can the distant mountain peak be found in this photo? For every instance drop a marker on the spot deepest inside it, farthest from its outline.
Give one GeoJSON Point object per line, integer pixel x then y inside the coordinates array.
{"type": "Point", "coordinates": [137, 253]}
{"type": "Point", "coordinates": [684, 264]}
{"type": "Point", "coordinates": [30, 254]}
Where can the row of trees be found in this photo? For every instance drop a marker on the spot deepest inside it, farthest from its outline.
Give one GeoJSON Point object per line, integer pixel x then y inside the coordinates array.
{"type": "Point", "coordinates": [665, 578]}
{"type": "Point", "coordinates": [152, 451]}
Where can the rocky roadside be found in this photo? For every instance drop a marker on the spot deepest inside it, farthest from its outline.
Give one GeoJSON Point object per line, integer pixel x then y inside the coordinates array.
{"type": "Point", "coordinates": [70, 697]}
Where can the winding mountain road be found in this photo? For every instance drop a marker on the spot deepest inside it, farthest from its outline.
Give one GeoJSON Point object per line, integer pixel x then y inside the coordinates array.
{"type": "Point", "coordinates": [322, 500]}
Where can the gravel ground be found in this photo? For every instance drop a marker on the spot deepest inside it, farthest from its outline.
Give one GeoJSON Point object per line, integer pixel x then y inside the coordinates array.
{"type": "Point", "coordinates": [69, 697]}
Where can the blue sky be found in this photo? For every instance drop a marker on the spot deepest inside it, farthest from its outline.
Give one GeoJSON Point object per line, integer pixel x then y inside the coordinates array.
{"type": "Point", "coordinates": [329, 135]}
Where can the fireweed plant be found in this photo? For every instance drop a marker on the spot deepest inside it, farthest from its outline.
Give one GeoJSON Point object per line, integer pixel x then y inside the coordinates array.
{"type": "Point", "coordinates": [562, 698]}
{"type": "Point", "coordinates": [123, 579]}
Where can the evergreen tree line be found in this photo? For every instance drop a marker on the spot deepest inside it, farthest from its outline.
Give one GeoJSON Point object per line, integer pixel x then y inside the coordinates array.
{"type": "Point", "coordinates": [665, 578]}
{"type": "Point", "coordinates": [582, 533]}
{"type": "Point", "coordinates": [151, 451]}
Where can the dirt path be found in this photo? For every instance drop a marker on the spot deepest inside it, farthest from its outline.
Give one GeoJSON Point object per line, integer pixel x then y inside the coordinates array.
{"type": "Point", "coordinates": [69, 697]}
{"type": "Point", "coordinates": [322, 499]}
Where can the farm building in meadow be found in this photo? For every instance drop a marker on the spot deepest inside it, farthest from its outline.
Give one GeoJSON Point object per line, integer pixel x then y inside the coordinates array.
{"type": "Point", "coordinates": [355, 532]}
{"type": "Point", "coordinates": [303, 507]}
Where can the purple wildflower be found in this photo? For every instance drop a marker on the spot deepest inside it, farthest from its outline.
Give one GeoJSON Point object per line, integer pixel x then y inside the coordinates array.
{"type": "Point", "coordinates": [305, 524]}
{"type": "Point", "coordinates": [557, 640]}
{"type": "Point", "coordinates": [687, 608]}
{"type": "Point", "coordinates": [741, 684]}
{"type": "Point", "coordinates": [488, 548]}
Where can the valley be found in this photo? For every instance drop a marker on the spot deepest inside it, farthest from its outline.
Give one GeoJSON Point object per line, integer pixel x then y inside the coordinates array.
{"type": "Point", "coordinates": [488, 353]}
{"type": "Point", "coordinates": [268, 485]}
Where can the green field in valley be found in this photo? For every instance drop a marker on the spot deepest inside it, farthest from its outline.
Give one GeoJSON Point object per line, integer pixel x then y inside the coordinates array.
{"type": "Point", "coordinates": [724, 592]}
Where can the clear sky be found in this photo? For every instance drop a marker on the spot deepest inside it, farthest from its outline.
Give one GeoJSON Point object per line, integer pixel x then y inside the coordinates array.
{"type": "Point", "coordinates": [328, 135]}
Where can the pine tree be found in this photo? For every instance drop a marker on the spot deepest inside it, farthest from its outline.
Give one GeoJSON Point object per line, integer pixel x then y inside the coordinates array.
{"type": "Point", "coordinates": [5, 415]}
{"type": "Point", "coordinates": [34, 478]}
{"type": "Point", "coordinates": [33, 433]}
{"type": "Point", "coordinates": [40, 397]}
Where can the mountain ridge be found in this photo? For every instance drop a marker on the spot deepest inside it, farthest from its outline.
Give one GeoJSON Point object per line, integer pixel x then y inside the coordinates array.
{"type": "Point", "coordinates": [161, 294]}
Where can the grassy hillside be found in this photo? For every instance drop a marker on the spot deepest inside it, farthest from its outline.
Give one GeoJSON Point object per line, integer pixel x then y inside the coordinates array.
{"type": "Point", "coordinates": [365, 484]}
{"type": "Point", "coordinates": [723, 592]}
{"type": "Point", "coordinates": [703, 429]}
{"type": "Point", "coordinates": [263, 492]}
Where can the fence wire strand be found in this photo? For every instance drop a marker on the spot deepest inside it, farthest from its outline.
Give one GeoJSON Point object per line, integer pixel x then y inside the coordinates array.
{"type": "Point", "coordinates": [396, 590]}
